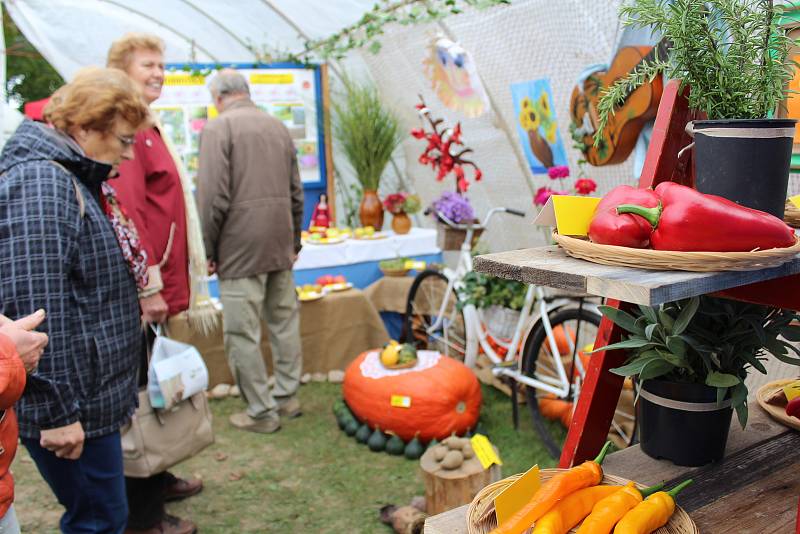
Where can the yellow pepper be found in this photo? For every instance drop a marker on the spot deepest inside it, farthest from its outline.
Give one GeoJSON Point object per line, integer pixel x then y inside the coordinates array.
{"type": "Point", "coordinates": [608, 511]}
{"type": "Point", "coordinates": [572, 509]}
{"type": "Point", "coordinates": [650, 514]}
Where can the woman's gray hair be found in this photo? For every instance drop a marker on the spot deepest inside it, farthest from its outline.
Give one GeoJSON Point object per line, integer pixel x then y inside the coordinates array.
{"type": "Point", "coordinates": [228, 82]}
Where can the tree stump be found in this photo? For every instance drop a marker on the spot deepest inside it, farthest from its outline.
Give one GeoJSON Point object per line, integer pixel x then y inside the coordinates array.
{"type": "Point", "coordinates": [450, 488]}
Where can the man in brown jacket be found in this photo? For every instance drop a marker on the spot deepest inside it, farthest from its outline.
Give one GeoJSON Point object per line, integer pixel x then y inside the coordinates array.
{"type": "Point", "coordinates": [251, 205]}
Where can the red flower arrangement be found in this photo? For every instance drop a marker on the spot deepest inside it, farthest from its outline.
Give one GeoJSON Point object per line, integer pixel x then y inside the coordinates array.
{"type": "Point", "coordinates": [583, 186]}
{"type": "Point", "coordinates": [438, 153]}
{"type": "Point", "coordinates": [396, 203]}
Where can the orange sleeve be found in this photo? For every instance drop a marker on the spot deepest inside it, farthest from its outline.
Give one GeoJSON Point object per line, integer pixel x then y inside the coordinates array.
{"type": "Point", "coordinates": [12, 373]}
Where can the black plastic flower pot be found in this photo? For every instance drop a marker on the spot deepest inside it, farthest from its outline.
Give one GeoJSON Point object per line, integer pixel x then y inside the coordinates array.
{"type": "Point", "coordinates": [746, 161]}
{"type": "Point", "coordinates": [682, 423]}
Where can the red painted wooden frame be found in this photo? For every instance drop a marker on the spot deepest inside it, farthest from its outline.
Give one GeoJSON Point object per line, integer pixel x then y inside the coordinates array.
{"type": "Point", "coordinates": [601, 388]}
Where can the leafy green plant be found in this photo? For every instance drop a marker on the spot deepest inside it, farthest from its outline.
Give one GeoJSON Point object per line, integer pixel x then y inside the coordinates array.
{"type": "Point", "coordinates": [732, 53]}
{"type": "Point", "coordinates": [367, 131]}
{"type": "Point", "coordinates": [705, 340]}
{"type": "Point", "coordinates": [364, 32]}
{"type": "Point", "coordinates": [483, 291]}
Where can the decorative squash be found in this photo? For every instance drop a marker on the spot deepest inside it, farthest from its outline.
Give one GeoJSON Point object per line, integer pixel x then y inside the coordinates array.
{"type": "Point", "coordinates": [395, 445]}
{"type": "Point", "coordinates": [414, 449]}
{"type": "Point", "coordinates": [435, 398]}
{"type": "Point", "coordinates": [363, 433]}
{"type": "Point", "coordinates": [377, 441]}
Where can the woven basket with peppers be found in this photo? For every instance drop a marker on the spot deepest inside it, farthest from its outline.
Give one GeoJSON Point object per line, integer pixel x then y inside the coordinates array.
{"type": "Point", "coordinates": [674, 226]}
{"type": "Point", "coordinates": [586, 498]}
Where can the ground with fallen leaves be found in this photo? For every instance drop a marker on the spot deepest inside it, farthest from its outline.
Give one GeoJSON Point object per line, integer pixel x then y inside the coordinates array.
{"type": "Point", "coordinates": [309, 477]}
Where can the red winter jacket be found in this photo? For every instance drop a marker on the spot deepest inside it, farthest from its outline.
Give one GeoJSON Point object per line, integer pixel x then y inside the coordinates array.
{"type": "Point", "coordinates": [12, 382]}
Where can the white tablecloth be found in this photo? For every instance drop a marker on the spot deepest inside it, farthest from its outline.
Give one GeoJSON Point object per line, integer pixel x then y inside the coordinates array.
{"type": "Point", "coordinates": [418, 242]}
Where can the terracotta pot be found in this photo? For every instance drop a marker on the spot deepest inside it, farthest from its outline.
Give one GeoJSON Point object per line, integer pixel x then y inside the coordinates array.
{"type": "Point", "coordinates": [540, 148]}
{"type": "Point", "coordinates": [401, 223]}
{"type": "Point", "coordinates": [371, 210]}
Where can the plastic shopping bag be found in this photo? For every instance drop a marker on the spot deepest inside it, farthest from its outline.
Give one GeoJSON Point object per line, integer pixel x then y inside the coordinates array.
{"type": "Point", "coordinates": [176, 372]}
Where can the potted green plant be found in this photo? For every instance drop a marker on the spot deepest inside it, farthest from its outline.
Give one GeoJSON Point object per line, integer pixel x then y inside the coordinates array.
{"type": "Point", "coordinates": [734, 57]}
{"type": "Point", "coordinates": [690, 359]}
{"type": "Point", "coordinates": [499, 301]}
{"type": "Point", "coordinates": [368, 134]}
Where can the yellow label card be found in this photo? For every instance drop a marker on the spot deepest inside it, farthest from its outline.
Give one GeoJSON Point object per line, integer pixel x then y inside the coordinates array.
{"type": "Point", "coordinates": [795, 200]}
{"type": "Point", "coordinates": [484, 451]}
{"type": "Point", "coordinates": [514, 497]}
{"type": "Point", "coordinates": [184, 79]}
{"type": "Point", "coordinates": [792, 390]}
{"type": "Point", "coordinates": [272, 79]}
{"type": "Point", "coordinates": [573, 214]}
{"type": "Point", "coordinates": [415, 265]}
{"type": "Point", "coordinates": [400, 401]}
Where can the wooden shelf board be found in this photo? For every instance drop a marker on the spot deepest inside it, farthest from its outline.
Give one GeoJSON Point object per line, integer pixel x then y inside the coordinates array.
{"type": "Point", "coordinates": [552, 267]}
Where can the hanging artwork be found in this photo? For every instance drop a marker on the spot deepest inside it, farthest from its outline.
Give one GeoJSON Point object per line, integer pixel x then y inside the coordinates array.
{"type": "Point", "coordinates": [454, 78]}
{"type": "Point", "coordinates": [537, 126]}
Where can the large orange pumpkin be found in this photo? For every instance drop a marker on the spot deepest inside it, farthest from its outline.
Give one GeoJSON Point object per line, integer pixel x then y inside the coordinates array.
{"type": "Point", "coordinates": [443, 396]}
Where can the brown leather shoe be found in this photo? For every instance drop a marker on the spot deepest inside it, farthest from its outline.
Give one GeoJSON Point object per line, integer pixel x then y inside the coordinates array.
{"type": "Point", "coordinates": [289, 407]}
{"type": "Point", "coordinates": [268, 425]}
{"type": "Point", "coordinates": [169, 525]}
{"type": "Point", "coordinates": [182, 488]}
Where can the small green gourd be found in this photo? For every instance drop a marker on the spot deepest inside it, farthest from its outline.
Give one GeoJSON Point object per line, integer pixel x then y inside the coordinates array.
{"type": "Point", "coordinates": [414, 449]}
{"type": "Point", "coordinates": [377, 441]}
{"type": "Point", "coordinates": [363, 433]}
{"type": "Point", "coordinates": [432, 443]}
{"type": "Point", "coordinates": [351, 428]}
{"type": "Point", "coordinates": [395, 445]}
{"type": "Point", "coordinates": [341, 421]}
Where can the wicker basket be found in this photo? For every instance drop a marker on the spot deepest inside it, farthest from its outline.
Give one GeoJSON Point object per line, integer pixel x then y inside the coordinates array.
{"type": "Point", "coordinates": [481, 518]}
{"type": "Point", "coordinates": [666, 260]}
{"type": "Point", "coordinates": [791, 215]}
{"type": "Point", "coordinates": [451, 239]}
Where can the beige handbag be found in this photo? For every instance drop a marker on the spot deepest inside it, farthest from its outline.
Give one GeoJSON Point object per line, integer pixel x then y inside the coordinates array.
{"type": "Point", "coordinates": [155, 440]}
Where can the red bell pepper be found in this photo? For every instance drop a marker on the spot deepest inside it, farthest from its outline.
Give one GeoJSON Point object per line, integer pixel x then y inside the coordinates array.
{"type": "Point", "coordinates": [793, 408]}
{"type": "Point", "coordinates": [607, 227]}
{"type": "Point", "coordinates": [688, 220]}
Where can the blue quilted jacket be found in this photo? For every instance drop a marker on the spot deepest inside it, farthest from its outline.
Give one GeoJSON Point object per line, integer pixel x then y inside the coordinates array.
{"type": "Point", "coordinates": [52, 256]}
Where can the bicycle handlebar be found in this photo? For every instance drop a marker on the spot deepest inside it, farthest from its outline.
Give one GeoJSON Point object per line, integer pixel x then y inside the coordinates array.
{"type": "Point", "coordinates": [518, 213]}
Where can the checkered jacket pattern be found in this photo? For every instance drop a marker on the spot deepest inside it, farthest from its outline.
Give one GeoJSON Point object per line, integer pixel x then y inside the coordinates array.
{"type": "Point", "coordinates": [55, 257]}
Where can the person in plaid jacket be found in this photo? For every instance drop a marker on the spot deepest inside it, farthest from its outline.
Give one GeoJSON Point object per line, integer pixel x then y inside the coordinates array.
{"type": "Point", "coordinates": [59, 252]}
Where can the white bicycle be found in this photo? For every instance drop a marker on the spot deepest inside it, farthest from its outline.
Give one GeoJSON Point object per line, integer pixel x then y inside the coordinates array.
{"type": "Point", "coordinates": [545, 352]}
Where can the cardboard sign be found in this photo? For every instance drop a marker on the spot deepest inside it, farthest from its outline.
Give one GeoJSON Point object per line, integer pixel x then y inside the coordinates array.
{"type": "Point", "coordinates": [517, 495]}
{"type": "Point", "coordinates": [571, 215]}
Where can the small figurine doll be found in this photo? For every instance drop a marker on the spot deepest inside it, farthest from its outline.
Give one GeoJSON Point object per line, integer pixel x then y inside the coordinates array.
{"type": "Point", "coordinates": [321, 216]}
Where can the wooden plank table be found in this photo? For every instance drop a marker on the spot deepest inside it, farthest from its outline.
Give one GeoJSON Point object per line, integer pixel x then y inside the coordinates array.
{"type": "Point", "coordinates": [552, 267]}
{"type": "Point", "coordinates": [753, 490]}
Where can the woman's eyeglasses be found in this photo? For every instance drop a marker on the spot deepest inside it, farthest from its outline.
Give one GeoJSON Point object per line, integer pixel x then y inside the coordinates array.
{"type": "Point", "coordinates": [126, 140]}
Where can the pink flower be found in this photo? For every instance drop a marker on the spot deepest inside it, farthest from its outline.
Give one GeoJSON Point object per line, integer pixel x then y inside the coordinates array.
{"type": "Point", "coordinates": [542, 194]}
{"type": "Point", "coordinates": [584, 186]}
{"type": "Point", "coordinates": [559, 171]}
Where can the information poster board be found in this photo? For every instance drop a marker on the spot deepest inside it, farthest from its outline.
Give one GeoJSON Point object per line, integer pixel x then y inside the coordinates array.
{"type": "Point", "coordinates": [290, 93]}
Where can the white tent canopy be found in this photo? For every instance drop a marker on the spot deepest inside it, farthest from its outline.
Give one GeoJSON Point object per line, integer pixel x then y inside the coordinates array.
{"type": "Point", "coordinates": [71, 34]}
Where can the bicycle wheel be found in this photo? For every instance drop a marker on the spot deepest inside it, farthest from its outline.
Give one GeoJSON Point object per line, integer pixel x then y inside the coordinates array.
{"type": "Point", "coordinates": [550, 414]}
{"type": "Point", "coordinates": [427, 298]}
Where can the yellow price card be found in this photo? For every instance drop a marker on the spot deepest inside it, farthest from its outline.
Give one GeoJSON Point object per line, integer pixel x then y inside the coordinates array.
{"type": "Point", "coordinates": [795, 200]}
{"type": "Point", "coordinates": [570, 214]}
{"type": "Point", "coordinates": [484, 451]}
{"type": "Point", "coordinates": [400, 401]}
{"type": "Point", "coordinates": [514, 497]}
{"type": "Point", "coordinates": [792, 390]}
{"type": "Point", "coordinates": [414, 265]}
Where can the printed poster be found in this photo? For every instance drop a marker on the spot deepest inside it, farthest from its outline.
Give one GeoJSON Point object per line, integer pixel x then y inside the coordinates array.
{"type": "Point", "coordinates": [290, 95]}
{"type": "Point", "coordinates": [537, 126]}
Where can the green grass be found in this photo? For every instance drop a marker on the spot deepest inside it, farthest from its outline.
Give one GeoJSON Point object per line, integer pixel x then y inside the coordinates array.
{"type": "Point", "coordinates": [309, 477]}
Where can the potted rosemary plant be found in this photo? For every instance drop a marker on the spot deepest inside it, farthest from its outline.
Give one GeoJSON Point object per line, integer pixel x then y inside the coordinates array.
{"type": "Point", "coordinates": [734, 57]}
{"type": "Point", "coordinates": [690, 359]}
{"type": "Point", "coordinates": [368, 133]}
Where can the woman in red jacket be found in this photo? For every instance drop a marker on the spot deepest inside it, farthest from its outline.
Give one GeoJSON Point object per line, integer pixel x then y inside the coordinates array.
{"type": "Point", "coordinates": [20, 349]}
